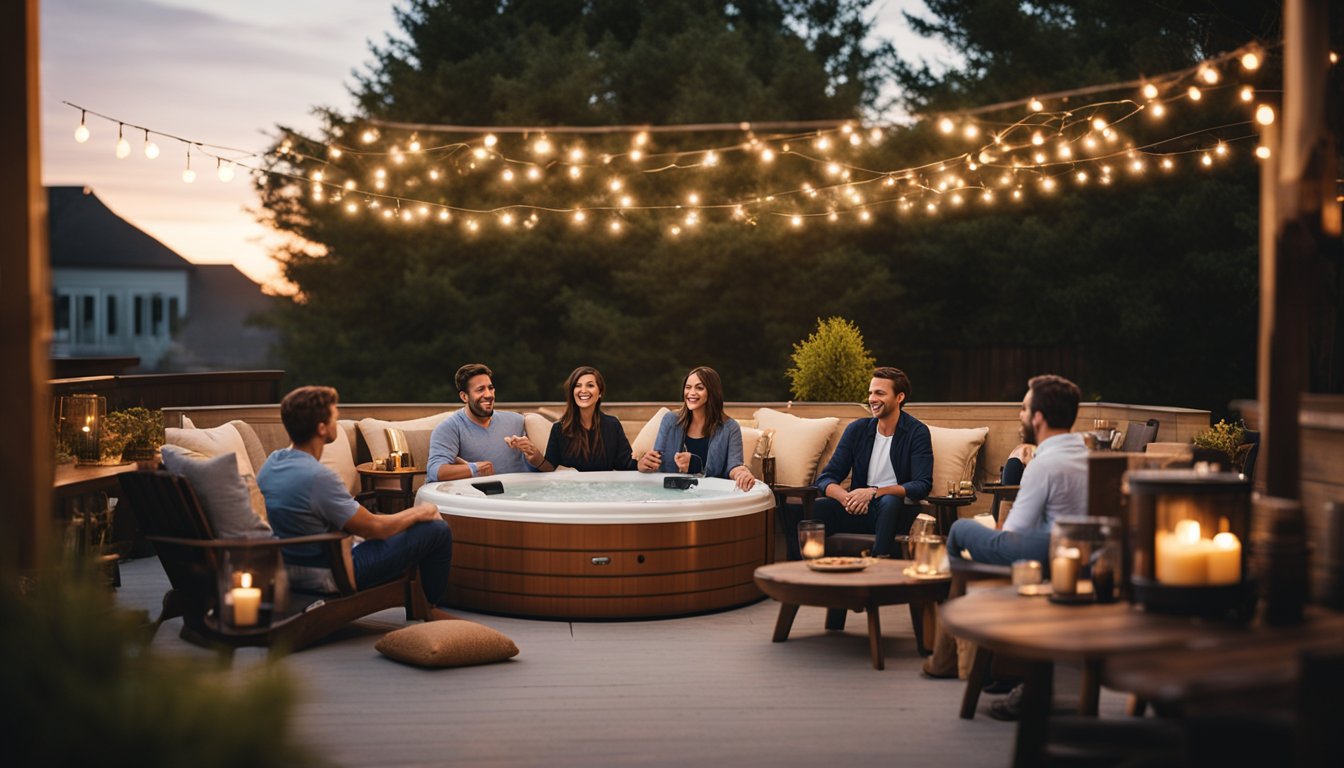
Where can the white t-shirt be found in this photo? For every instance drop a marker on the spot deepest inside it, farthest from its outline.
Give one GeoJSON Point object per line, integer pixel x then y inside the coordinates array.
{"type": "Point", "coordinates": [880, 471]}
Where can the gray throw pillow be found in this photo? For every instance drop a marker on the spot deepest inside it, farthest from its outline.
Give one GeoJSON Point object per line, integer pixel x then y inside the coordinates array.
{"type": "Point", "coordinates": [221, 491]}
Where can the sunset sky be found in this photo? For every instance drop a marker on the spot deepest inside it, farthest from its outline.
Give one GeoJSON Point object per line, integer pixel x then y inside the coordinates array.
{"type": "Point", "coordinates": [222, 73]}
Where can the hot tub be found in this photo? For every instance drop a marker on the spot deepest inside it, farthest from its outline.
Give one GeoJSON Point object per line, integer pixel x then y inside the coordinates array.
{"type": "Point", "coordinates": [603, 545]}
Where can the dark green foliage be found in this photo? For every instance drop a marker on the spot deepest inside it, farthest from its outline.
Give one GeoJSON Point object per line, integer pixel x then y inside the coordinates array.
{"type": "Point", "coordinates": [82, 688]}
{"type": "Point", "coordinates": [1144, 291]}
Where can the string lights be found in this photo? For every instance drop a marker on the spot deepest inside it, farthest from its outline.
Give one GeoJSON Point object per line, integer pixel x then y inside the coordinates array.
{"type": "Point", "coordinates": [392, 170]}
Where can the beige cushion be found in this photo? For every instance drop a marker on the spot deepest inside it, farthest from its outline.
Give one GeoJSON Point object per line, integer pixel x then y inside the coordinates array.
{"type": "Point", "coordinates": [750, 436]}
{"type": "Point", "coordinates": [339, 456]}
{"type": "Point", "coordinates": [417, 435]}
{"type": "Point", "coordinates": [451, 643]}
{"type": "Point", "coordinates": [954, 452]}
{"type": "Point", "coordinates": [256, 454]}
{"type": "Point", "coordinates": [215, 441]}
{"type": "Point", "coordinates": [643, 442]}
{"type": "Point", "coordinates": [223, 495]}
{"type": "Point", "coordinates": [799, 444]}
{"type": "Point", "coordinates": [538, 430]}
{"type": "Point", "coordinates": [218, 441]}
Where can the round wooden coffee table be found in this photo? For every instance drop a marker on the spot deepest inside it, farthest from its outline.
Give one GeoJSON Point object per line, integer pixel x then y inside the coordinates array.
{"type": "Point", "coordinates": [881, 583]}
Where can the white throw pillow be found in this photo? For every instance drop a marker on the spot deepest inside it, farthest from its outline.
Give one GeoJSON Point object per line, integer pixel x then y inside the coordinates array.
{"type": "Point", "coordinates": [643, 442]}
{"type": "Point", "coordinates": [954, 453]}
{"type": "Point", "coordinates": [223, 495]}
{"type": "Point", "coordinates": [417, 435]}
{"type": "Point", "coordinates": [538, 430]}
{"type": "Point", "coordinates": [799, 444]}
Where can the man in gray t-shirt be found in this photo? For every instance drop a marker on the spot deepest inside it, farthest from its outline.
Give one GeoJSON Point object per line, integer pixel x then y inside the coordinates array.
{"type": "Point", "coordinates": [478, 440]}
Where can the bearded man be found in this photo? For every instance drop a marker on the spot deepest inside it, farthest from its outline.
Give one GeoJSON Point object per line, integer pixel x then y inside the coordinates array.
{"type": "Point", "coordinates": [1053, 484]}
{"type": "Point", "coordinates": [478, 440]}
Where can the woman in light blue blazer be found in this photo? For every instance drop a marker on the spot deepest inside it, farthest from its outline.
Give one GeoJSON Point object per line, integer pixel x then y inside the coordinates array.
{"type": "Point", "coordinates": [698, 437]}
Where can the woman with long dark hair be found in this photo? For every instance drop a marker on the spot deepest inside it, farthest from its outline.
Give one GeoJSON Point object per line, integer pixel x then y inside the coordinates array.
{"type": "Point", "coordinates": [585, 438]}
{"type": "Point", "coordinates": [699, 437]}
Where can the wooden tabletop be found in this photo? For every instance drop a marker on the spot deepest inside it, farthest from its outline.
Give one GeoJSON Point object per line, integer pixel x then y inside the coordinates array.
{"type": "Point", "coordinates": [72, 479]}
{"type": "Point", "coordinates": [1035, 628]}
{"type": "Point", "coordinates": [1264, 658]}
{"type": "Point", "coordinates": [881, 583]}
{"type": "Point", "coordinates": [367, 469]}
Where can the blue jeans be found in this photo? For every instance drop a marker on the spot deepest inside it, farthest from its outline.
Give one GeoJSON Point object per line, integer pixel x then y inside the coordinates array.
{"type": "Point", "coordinates": [987, 545]}
{"type": "Point", "coordinates": [887, 516]}
{"type": "Point", "coordinates": [428, 544]}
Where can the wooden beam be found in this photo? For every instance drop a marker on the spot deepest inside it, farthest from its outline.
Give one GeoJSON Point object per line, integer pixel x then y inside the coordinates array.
{"type": "Point", "coordinates": [25, 299]}
{"type": "Point", "coordinates": [1305, 167]}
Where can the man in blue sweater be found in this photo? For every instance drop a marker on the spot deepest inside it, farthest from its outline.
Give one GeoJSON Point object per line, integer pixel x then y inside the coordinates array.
{"type": "Point", "coordinates": [889, 459]}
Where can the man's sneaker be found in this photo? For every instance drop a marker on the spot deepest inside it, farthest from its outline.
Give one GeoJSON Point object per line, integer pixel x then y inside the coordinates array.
{"type": "Point", "coordinates": [1007, 708]}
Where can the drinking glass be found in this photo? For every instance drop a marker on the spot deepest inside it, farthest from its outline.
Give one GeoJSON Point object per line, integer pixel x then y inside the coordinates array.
{"type": "Point", "coordinates": [930, 552]}
{"type": "Point", "coordinates": [811, 539]}
{"type": "Point", "coordinates": [1103, 431]}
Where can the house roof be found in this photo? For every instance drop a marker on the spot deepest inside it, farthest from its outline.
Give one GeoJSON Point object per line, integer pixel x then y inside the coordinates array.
{"type": "Point", "coordinates": [84, 232]}
{"type": "Point", "coordinates": [218, 332]}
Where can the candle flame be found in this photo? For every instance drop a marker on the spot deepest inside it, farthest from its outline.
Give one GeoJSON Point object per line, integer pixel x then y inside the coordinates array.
{"type": "Point", "coordinates": [246, 580]}
{"type": "Point", "coordinates": [1187, 531]}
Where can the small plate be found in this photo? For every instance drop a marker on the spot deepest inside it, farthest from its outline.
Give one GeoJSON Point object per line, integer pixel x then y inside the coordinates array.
{"type": "Point", "coordinates": [839, 564]}
{"type": "Point", "coordinates": [912, 573]}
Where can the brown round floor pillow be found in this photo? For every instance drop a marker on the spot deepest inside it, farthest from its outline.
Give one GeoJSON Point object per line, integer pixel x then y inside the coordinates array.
{"type": "Point", "coordinates": [452, 643]}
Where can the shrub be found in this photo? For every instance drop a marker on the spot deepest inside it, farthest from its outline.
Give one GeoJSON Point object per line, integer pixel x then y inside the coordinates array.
{"type": "Point", "coordinates": [831, 365]}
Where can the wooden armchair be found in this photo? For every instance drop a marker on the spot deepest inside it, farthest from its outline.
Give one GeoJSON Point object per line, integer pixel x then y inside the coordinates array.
{"type": "Point", "coordinates": [169, 513]}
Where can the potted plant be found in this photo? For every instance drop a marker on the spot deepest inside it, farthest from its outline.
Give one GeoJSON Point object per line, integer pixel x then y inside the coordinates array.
{"type": "Point", "coordinates": [134, 434]}
{"type": "Point", "coordinates": [1226, 439]}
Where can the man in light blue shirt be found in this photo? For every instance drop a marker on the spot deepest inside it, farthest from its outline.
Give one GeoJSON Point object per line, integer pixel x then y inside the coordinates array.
{"type": "Point", "coordinates": [478, 441]}
{"type": "Point", "coordinates": [1054, 484]}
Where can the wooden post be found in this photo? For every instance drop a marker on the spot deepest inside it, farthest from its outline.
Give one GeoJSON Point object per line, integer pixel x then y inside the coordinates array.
{"type": "Point", "coordinates": [25, 299]}
{"type": "Point", "coordinates": [1301, 212]}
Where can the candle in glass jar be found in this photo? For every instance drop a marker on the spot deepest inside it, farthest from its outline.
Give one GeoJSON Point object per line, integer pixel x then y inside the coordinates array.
{"type": "Point", "coordinates": [246, 602]}
{"type": "Point", "coordinates": [813, 549]}
{"type": "Point", "coordinates": [1064, 570]}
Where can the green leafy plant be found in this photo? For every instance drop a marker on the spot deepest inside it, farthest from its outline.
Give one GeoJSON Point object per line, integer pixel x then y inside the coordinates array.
{"type": "Point", "coordinates": [135, 433]}
{"type": "Point", "coordinates": [832, 364]}
{"type": "Point", "coordinates": [1226, 438]}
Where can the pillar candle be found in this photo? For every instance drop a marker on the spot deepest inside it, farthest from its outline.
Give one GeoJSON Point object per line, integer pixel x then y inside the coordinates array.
{"type": "Point", "coordinates": [1064, 571]}
{"type": "Point", "coordinates": [246, 602]}
{"type": "Point", "coordinates": [1225, 559]}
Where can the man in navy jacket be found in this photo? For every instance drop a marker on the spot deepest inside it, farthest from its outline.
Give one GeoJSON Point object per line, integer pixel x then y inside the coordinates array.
{"type": "Point", "coordinates": [889, 459]}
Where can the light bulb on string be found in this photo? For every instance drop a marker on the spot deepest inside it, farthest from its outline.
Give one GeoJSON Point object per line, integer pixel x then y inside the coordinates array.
{"type": "Point", "coordinates": [1149, 91]}
{"type": "Point", "coordinates": [1247, 93]}
{"type": "Point", "coordinates": [1035, 105]}
{"type": "Point", "coordinates": [188, 175]}
{"type": "Point", "coordinates": [1209, 74]}
{"type": "Point", "coordinates": [334, 152]}
{"type": "Point", "coordinates": [946, 125]}
{"type": "Point", "coordinates": [767, 155]}
{"type": "Point", "coordinates": [1194, 93]}
{"type": "Point", "coordinates": [615, 226]}
{"type": "Point", "coordinates": [123, 149]}
{"type": "Point", "coordinates": [82, 130]}
{"type": "Point", "coordinates": [1262, 152]}
{"type": "Point", "coordinates": [1206, 159]}
{"type": "Point", "coordinates": [490, 140]}
{"type": "Point", "coordinates": [224, 170]}
{"type": "Point", "coordinates": [1250, 61]}
{"type": "Point", "coordinates": [368, 136]}
{"type": "Point", "coordinates": [1264, 114]}
{"type": "Point", "coordinates": [542, 146]}
{"type": "Point", "coordinates": [151, 149]}
{"type": "Point", "coordinates": [711, 158]}
{"type": "Point", "coordinates": [1158, 110]}
{"type": "Point", "coordinates": [533, 173]}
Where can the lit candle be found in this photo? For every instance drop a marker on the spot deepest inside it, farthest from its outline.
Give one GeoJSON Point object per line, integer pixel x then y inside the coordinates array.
{"type": "Point", "coordinates": [246, 602]}
{"type": "Point", "coordinates": [813, 549]}
{"type": "Point", "coordinates": [1225, 559]}
{"type": "Point", "coordinates": [1182, 557]}
{"type": "Point", "coordinates": [1064, 570]}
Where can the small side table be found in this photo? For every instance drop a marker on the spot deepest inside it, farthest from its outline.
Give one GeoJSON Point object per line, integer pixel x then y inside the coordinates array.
{"type": "Point", "coordinates": [369, 477]}
{"type": "Point", "coordinates": [945, 509]}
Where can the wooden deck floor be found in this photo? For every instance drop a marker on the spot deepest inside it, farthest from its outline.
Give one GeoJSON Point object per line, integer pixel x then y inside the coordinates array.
{"type": "Point", "coordinates": [704, 691]}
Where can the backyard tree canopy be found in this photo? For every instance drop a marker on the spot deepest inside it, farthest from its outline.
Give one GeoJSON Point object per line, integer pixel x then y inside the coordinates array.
{"type": "Point", "coordinates": [1161, 274]}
